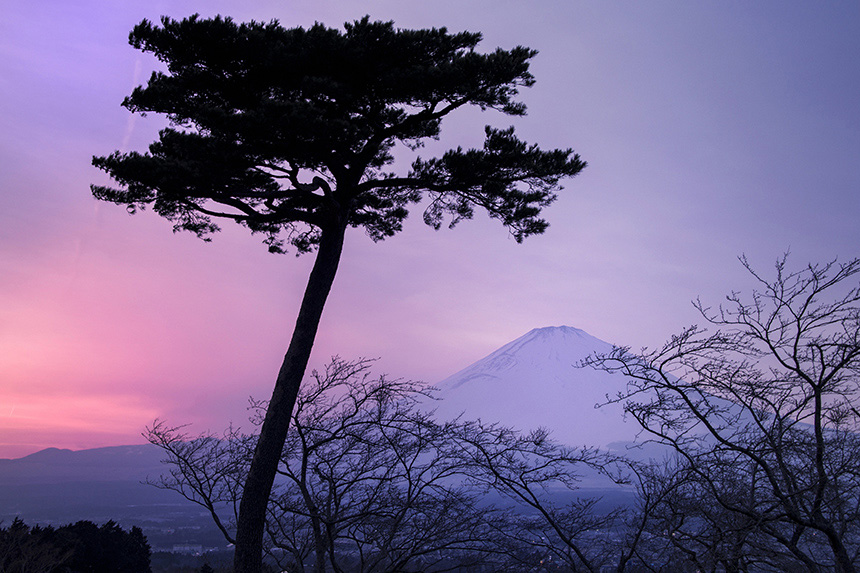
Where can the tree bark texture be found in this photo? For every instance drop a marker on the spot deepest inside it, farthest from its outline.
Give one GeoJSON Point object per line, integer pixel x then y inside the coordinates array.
{"type": "Point", "coordinates": [250, 528]}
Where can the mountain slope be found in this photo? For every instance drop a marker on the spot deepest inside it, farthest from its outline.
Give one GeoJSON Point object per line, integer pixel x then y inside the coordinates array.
{"type": "Point", "coordinates": [533, 382]}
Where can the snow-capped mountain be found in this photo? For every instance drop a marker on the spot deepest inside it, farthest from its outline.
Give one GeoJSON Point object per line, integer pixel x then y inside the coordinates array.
{"type": "Point", "coordinates": [534, 382]}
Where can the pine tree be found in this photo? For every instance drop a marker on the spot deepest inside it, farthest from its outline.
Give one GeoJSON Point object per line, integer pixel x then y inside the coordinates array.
{"type": "Point", "coordinates": [290, 132]}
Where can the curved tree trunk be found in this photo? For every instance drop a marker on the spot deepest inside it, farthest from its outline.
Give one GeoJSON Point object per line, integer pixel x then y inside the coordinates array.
{"type": "Point", "coordinates": [261, 476]}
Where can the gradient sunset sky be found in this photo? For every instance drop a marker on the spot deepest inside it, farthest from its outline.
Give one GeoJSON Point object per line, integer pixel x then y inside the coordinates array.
{"type": "Point", "coordinates": [711, 129]}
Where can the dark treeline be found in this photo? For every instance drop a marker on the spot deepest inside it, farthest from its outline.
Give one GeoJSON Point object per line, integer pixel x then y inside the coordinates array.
{"type": "Point", "coordinates": [82, 547]}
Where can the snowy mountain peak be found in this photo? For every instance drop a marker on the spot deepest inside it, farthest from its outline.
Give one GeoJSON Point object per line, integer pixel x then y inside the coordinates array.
{"type": "Point", "coordinates": [555, 330]}
{"type": "Point", "coordinates": [551, 350]}
{"type": "Point", "coordinates": [534, 381]}
{"type": "Point", "coordinates": [564, 335]}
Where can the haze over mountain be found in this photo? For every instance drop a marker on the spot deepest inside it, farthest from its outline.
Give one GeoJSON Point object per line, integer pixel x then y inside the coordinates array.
{"type": "Point", "coordinates": [534, 382]}
{"type": "Point", "coordinates": [528, 383]}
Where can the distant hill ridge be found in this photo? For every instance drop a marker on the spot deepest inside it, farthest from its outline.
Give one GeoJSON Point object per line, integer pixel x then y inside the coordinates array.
{"type": "Point", "coordinates": [113, 463]}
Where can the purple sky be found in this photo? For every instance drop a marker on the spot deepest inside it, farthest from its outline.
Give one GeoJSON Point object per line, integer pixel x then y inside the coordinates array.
{"type": "Point", "coordinates": [711, 129]}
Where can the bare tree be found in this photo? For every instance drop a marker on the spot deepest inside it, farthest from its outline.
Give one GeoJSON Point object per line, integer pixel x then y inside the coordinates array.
{"type": "Point", "coordinates": [367, 481]}
{"type": "Point", "coordinates": [769, 398]}
{"type": "Point", "coordinates": [561, 524]}
{"type": "Point", "coordinates": [207, 469]}
{"type": "Point", "coordinates": [692, 522]}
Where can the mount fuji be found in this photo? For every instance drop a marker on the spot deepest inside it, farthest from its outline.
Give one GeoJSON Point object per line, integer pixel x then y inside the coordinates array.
{"type": "Point", "coordinates": [534, 382]}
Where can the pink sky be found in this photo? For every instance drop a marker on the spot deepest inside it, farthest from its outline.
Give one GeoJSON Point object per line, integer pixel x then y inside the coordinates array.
{"type": "Point", "coordinates": [711, 129]}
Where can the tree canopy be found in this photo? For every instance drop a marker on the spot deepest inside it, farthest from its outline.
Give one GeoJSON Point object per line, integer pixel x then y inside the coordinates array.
{"type": "Point", "coordinates": [288, 130]}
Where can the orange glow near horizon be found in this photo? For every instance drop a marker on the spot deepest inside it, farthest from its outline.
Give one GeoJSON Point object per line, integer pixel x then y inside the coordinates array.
{"type": "Point", "coordinates": [30, 423]}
